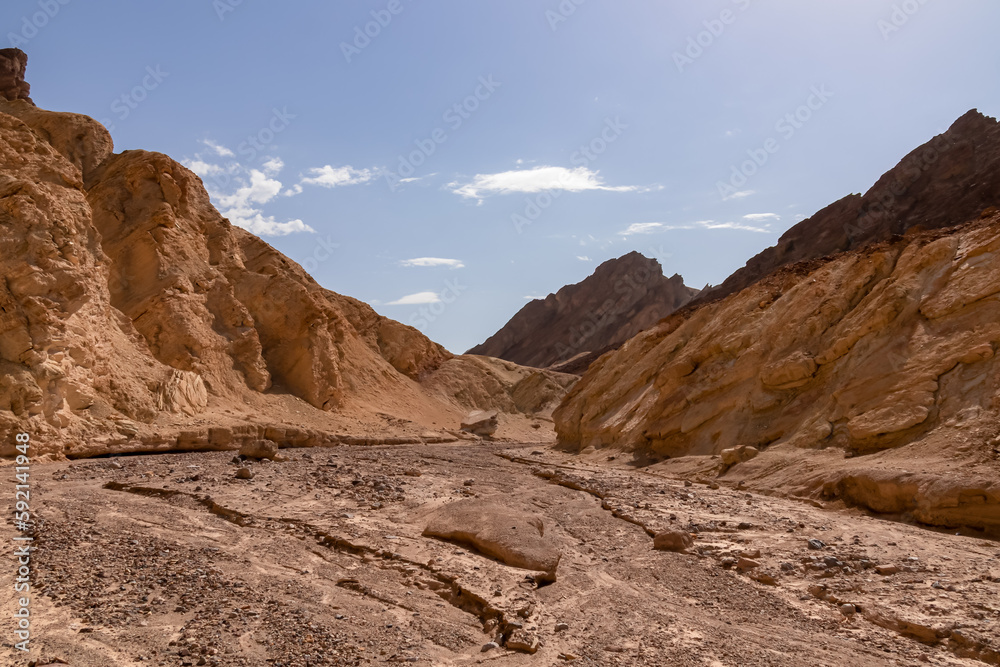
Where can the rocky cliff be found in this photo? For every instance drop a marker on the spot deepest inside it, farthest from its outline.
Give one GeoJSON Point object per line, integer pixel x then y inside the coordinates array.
{"type": "Point", "coordinates": [133, 315]}
{"type": "Point", "coordinates": [621, 298]}
{"type": "Point", "coordinates": [870, 375]}
{"type": "Point", "coordinates": [951, 178]}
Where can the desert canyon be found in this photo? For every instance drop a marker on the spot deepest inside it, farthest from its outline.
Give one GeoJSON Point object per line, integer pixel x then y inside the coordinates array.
{"type": "Point", "coordinates": [235, 466]}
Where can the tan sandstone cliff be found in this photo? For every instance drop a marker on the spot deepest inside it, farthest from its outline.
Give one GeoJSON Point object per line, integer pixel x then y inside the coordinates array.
{"type": "Point", "coordinates": [869, 376]}
{"type": "Point", "coordinates": [133, 316]}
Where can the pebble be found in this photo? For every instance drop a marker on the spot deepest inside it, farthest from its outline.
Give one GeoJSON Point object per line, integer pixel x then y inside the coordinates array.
{"type": "Point", "coordinates": [816, 545]}
{"type": "Point", "coordinates": [489, 646]}
{"type": "Point", "coordinates": [244, 473]}
{"type": "Point", "coordinates": [562, 627]}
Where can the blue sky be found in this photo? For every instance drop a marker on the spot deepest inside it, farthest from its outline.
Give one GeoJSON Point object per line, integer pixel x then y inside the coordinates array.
{"type": "Point", "coordinates": [464, 156]}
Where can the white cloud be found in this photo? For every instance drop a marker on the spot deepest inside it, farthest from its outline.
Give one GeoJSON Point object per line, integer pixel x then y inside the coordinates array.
{"type": "Point", "coordinates": [254, 188]}
{"type": "Point", "coordinates": [331, 177]}
{"type": "Point", "coordinates": [260, 190]}
{"type": "Point", "coordinates": [256, 223]}
{"type": "Point", "coordinates": [534, 298]}
{"type": "Point", "coordinates": [205, 169]}
{"type": "Point", "coordinates": [583, 258]}
{"type": "Point", "coordinates": [760, 217]}
{"type": "Point", "coordinates": [274, 166]}
{"type": "Point", "coordinates": [292, 191]}
{"type": "Point", "coordinates": [433, 262]}
{"type": "Point", "coordinates": [538, 179]}
{"type": "Point", "coordinates": [742, 194]}
{"type": "Point", "coordinates": [218, 149]}
{"type": "Point", "coordinates": [420, 298]}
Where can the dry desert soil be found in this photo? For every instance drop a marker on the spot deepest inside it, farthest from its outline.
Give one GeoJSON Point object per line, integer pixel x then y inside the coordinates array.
{"type": "Point", "coordinates": [319, 559]}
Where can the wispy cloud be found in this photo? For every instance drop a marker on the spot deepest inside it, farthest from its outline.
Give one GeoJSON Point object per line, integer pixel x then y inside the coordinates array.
{"type": "Point", "coordinates": [742, 194]}
{"type": "Point", "coordinates": [433, 262]}
{"type": "Point", "coordinates": [761, 217]}
{"type": "Point", "coordinates": [650, 228]}
{"type": "Point", "coordinates": [537, 179]}
{"type": "Point", "coordinates": [734, 225]}
{"type": "Point", "coordinates": [583, 258]}
{"type": "Point", "coordinates": [218, 149]}
{"type": "Point", "coordinates": [418, 299]}
{"type": "Point", "coordinates": [331, 177]}
{"type": "Point", "coordinates": [656, 227]}
{"type": "Point", "coordinates": [533, 298]}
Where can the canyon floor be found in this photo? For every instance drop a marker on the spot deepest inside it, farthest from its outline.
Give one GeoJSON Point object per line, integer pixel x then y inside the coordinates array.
{"type": "Point", "coordinates": [168, 559]}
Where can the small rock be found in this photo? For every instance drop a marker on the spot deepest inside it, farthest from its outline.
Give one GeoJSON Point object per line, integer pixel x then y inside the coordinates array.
{"type": "Point", "coordinates": [468, 482]}
{"type": "Point", "coordinates": [787, 567]}
{"type": "Point", "coordinates": [489, 646]}
{"type": "Point", "coordinates": [244, 473]}
{"type": "Point", "coordinates": [887, 570]}
{"type": "Point", "coordinates": [562, 627]}
{"type": "Point", "coordinates": [848, 609]}
{"type": "Point", "coordinates": [523, 641]}
{"type": "Point", "coordinates": [677, 541]}
{"type": "Point", "coordinates": [746, 564]}
{"type": "Point", "coordinates": [816, 545]}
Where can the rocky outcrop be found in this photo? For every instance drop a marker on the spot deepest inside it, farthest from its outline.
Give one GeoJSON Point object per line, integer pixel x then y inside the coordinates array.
{"type": "Point", "coordinates": [130, 307]}
{"type": "Point", "coordinates": [13, 63]}
{"type": "Point", "coordinates": [869, 352]}
{"type": "Point", "coordinates": [621, 298]}
{"type": "Point", "coordinates": [948, 180]}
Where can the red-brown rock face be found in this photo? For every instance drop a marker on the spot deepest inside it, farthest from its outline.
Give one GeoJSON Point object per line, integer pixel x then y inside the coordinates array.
{"type": "Point", "coordinates": [13, 63]}
{"type": "Point", "coordinates": [621, 298]}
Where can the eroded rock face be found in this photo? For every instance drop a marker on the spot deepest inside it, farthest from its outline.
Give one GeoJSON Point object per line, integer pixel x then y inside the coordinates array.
{"type": "Point", "coordinates": [948, 180]}
{"type": "Point", "coordinates": [127, 296]}
{"type": "Point", "coordinates": [13, 63]}
{"type": "Point", "coordinates": [622, 297]}
{"type": "Point", "coordinates": [864, 352]}
{"type": "Point", "coordinates": [889, 351]}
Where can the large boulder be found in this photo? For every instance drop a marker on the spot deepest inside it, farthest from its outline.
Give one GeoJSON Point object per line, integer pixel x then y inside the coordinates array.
{"type": "Point", "coordinates": [510, 535]}
{"type": "Point", "coordinates": [481, 423]}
